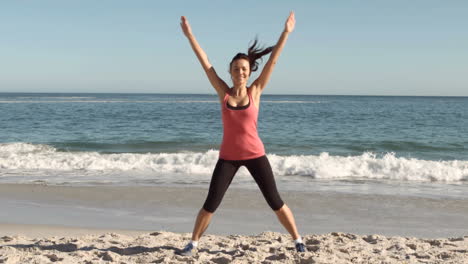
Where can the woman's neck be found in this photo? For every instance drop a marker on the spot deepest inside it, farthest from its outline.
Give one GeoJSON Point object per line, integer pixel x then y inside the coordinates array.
{"type": "Point", "coordinates": [239, 91]}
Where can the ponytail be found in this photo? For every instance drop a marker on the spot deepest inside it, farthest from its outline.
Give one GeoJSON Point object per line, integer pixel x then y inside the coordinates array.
{"type": "Point", "coordinates": [254, 53]}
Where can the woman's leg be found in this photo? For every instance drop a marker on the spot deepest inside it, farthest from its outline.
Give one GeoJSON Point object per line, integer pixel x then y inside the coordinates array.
{"type": "Point", "coordinates": [286, 218]}
{"type": "Point", "coordinates": [201, 224]}
{"type": "Point", "coordinates": [263, 174]}
{"type": "Point", "coordinates": [222, 177]}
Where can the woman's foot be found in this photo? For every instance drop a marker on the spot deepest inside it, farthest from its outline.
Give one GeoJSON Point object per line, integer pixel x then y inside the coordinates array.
{"type": "Point", "coordinates": [188, 250]}
{"type": "Point", "coordinates": [300, 247]}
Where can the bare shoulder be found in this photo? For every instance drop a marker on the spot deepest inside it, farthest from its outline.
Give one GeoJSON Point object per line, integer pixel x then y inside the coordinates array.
{"type": "Point", "coordinates": [256, 93]}
{"type": "Point", "coordinates": [255, 90]}
{"type": "Point", "coordinates": [222, 94]}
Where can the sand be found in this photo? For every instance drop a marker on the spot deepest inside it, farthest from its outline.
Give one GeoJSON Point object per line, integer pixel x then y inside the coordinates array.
{"type": "Point", "coordinates": [266, 247]}
{"type": "Point", "coordinates": [111, 224]}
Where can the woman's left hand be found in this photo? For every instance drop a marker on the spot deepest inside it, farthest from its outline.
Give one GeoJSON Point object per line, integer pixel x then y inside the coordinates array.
{"type": "Point", "coordinates": [185, 26]}
{"type": "Point", "coordinates": [290, 22]}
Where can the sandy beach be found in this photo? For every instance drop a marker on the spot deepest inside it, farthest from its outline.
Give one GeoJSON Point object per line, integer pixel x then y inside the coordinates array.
{"type": "Point", "coordinates": [99, 246]}
{"type": "Point", "coordinates": [148, 224]}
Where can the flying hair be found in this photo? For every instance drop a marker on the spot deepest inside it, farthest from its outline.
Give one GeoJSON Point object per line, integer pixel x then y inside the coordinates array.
{"type": "Point", "coordinates": [254, 54]}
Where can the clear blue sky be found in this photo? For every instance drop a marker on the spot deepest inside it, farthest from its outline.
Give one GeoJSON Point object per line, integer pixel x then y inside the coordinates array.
{"type": "Point", "coordinates": [339, 47]}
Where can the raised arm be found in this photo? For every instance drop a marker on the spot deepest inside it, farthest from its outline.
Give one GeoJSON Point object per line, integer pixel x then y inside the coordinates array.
{"type": "Point", "coordinates": [219, 85]}
{"type": "Point", "coordinates": [260, 83]}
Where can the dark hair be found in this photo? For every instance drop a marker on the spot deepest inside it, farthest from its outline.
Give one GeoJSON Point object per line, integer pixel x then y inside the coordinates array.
{"type": "Point", "coordinates": [253, 54]}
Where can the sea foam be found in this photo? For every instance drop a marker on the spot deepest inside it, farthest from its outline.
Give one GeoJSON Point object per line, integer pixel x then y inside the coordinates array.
{"type": "Point", "coordinates": [43, 160]}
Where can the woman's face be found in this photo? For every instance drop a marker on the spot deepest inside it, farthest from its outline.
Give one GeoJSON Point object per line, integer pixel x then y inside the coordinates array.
{"type": "Point", "coordinates": [240, 71]}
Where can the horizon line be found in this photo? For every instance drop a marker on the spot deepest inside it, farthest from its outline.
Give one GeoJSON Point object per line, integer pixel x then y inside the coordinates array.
{"type": "Point", "coordinates": [369, 95]}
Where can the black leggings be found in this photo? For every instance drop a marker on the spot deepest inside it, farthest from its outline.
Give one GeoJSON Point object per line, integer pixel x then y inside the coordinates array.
{"type": "Point", "coordinates": [224, 173]}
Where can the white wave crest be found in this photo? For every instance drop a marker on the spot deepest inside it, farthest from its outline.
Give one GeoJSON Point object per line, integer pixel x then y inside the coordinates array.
{"type": "Point", "coordinates": [18, 157]}
{"type": "Point", "coordinates": [7, 149]}
{"type": "Point", "coordinates": [24, 156]}
{"type": "Point", "coordinates": [368, 165]}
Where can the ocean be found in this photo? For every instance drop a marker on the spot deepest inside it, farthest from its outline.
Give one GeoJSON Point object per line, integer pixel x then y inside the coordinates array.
{"type": "Point", "coordinates": [354, 144]}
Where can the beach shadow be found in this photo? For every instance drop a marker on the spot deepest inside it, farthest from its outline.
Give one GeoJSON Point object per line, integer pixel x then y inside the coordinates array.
{"type": "Point", "coordinates": [70, 247]}
{"type": "Point", "coordinates": [122, 251]}
{"type": "Point", "coordinates": [214, 252]}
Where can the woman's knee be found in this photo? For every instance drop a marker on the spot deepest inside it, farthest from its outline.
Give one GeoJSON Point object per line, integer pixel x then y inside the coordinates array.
{"type": "Point", "coordinates": [212, 202]}
{"type": "Point", "coordinates": [278, 207]}
{"type": "Point", "coordinates": [208, 210]}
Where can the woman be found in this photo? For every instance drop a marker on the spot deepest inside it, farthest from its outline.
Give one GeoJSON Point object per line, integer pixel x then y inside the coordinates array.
{"type": "Point", "coordinates": [241, 145]}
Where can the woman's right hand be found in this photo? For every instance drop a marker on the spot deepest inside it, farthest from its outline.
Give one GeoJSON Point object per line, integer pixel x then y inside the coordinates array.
{"type": "Point", "coordinates": [290, 22]}
{"type": "Point", "coordinates": [185, 26]}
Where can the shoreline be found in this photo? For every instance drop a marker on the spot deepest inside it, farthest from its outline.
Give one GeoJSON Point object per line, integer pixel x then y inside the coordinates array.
{"type": "Point", "coordinates": [43, 231]}
{"type": "Point", "coordinates": [242, 212]}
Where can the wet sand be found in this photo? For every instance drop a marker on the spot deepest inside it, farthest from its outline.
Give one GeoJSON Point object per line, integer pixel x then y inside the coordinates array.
{"type": "Point", "coordinates": [242, 212]}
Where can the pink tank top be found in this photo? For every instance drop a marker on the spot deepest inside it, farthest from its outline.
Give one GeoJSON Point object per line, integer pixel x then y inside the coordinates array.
{"type": "Point", "coordinates": [240, 137]}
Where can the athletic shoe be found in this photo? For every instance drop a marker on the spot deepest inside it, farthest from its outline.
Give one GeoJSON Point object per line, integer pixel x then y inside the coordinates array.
{"type": "Point", "coordinates": [300, 247]}
{"type": "Point", "coordinates": [187, 251]}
